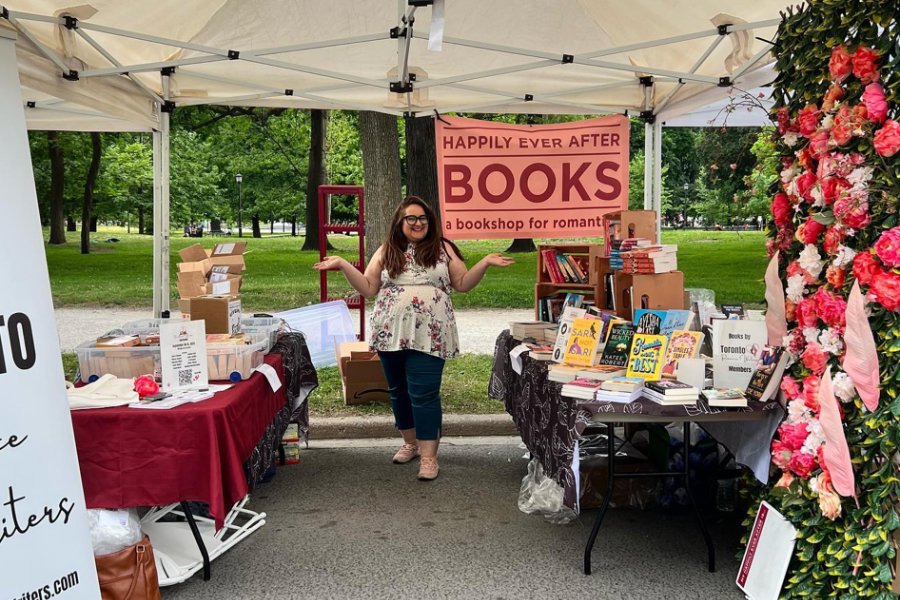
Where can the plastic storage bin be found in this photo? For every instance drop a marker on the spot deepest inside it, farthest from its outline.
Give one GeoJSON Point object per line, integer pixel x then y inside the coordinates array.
{"type": "Point", "coordinates": [268, 326]}
{"type": "Point", "coordinates": [229, 362]}
{"type": "Point", "coordinates": [323, 325]}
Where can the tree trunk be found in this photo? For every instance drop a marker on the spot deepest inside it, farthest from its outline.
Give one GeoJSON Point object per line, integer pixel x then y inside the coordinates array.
{"type": "Point", "coordinates": [522, 245]}
{"type": "Point", "coordinates": [87, 204]}
{"type": "Point", "coordinates": [315, 176]}
{"type": "Point", "coordinates": [257, 233]}
{"type": "Point", "coordinates": [71, 223]}
{"type": "Point", "coordinates": [421, 161]}
{"type": "Point", "coordinates": [293, 225]}
{"type": "Point", "coordinates": [140, 220]}
{"type": "Point", "coordinates": [271, 226]}
{"type": "Point", "coordinates": [380, 144]}
{"type": "Point", "coordinates": [215, 225]}
{"type": "Point", "coordinates": [57, 181]}
{"type": "Point", "coordinates": [93, 225]}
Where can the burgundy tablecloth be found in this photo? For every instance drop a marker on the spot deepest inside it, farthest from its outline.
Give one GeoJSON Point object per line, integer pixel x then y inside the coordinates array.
{"type": "Point", "coordinates": [193, 452]}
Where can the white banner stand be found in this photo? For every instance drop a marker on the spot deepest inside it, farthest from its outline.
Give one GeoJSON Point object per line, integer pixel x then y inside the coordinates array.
{"type": "Point", "coordinates": [45, 543]}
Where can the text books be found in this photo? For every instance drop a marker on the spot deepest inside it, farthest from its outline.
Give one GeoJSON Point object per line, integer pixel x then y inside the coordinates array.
{"type": "Point", "coordinates": [646, 357]}
{"type": "Point", "coordinates": [671, 391]}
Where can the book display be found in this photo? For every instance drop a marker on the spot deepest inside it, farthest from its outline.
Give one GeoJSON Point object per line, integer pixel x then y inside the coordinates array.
{"type": "Point", "coordinates": [671, 391]}
{"type": "Point", "coordinates": [767, 376]}
{"type": "Point", "coordinates": [725, 397]}
{"type": "Point", "coordinates": [563, 270]}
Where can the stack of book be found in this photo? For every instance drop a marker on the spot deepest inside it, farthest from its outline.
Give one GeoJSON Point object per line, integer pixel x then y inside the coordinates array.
{"type": "Point", "coordinates": [540, 351]}
{"type": "Point", "coordinates": [521, 330]}
{"type": "Point", "coordinates": [581, 388]}
{"type": "Point", "coordinates": [564, 268]}
{"type": "Point", "coordinates": [620, 389]}
{"type": "Point", "coordinates": [618, 247]}
{"type": "Point", "coordinates": [661, 258]}
{"type": "Point", "coordinates": [671, 392]}
{"type": "Point", "coordinates": [600, 372]}
{"type": "Point", "coordinates": [725, 397]}
{"type": "Point", "coordinates": [562, 373]}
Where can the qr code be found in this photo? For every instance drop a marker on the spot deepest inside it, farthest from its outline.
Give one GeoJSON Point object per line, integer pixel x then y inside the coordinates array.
{"type": "Point", "coordinates": [184, 377]}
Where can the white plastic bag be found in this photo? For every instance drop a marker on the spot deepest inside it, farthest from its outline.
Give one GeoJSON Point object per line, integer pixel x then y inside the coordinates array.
{"type": "Point", "coordinates": [114, 530]}
{"type": "Point", "coordinates": [540, 494]}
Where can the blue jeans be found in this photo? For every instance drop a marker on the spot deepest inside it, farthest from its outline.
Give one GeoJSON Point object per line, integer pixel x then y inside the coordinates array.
{"type": "Point", "coordinates": [414, 381]}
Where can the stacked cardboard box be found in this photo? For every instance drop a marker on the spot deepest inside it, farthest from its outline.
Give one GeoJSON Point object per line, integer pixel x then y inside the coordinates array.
{"type": "Point", "coordinates": [209, 284]}
{"type": "Point", "coordinates": [362, 377]}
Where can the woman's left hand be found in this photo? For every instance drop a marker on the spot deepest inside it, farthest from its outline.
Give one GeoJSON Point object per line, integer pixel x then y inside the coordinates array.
{"type": "Point", "coordinates": [498, 260]}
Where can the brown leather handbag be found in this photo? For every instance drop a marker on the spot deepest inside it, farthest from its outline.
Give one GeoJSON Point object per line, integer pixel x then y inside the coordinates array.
{"type": "Point", "coordinates": [129, 574]}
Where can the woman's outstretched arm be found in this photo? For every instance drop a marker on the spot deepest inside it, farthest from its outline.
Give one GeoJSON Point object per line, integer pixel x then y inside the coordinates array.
{"type": "Point", "coordinates": [368, 283]}
{"type": "Point", "coordinates": [463, 279]}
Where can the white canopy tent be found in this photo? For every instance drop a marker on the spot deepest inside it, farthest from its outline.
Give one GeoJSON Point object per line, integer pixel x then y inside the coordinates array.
{"type": "Point", "coordinates": [114, 64]}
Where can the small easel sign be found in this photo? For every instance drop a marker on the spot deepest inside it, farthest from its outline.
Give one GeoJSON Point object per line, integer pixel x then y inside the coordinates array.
{"type": "Point", "coordinates": [767, 556]}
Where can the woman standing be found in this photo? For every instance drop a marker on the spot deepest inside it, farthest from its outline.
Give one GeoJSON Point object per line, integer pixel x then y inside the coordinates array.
{"type": "Point", "coordinates": [413, 326]}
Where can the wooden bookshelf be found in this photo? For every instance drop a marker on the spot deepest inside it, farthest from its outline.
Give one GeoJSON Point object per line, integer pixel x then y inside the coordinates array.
{"type": "Point", "coordinates": [546, 284]}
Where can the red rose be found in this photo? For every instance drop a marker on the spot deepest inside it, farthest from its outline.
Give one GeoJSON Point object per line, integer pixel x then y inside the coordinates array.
{"type": "Point", "coordinates": [802, 464]}
{"type": "Point", "coordinates": [865, 64]}
{"type": "Point", "coordinates": [876, 105]}
{"type": "Point", "coordinates": [808, 119]}
{"type": "Point", "coordinates": [806, 313]}
{"type": "Point", "coordinates": [811, 392]}
{"type": "Point", "coordinates": [886, 289]}
{"type": "Point", "coordinates": [865, 268]}
{"type": "Point", "coordinates": [814, 358]}
{"type": "Point", "coordinates": [834, 93]}
{"type": "Point", "coordinates": [809, 231]}
{"type": "Point", "coordinates": [781, 454]}
{"type": "Point", "coordinates": [839, 63]}
{"type": "Point", "coordinates": [887, 139]}
{"type": "Point", "coordinates": [793, 436]}
{"type": "Point", "coordinates": [781, 209]}
{"type": "Point", "coordinates": [805, 184]}
{"type": "Point", "coordinates": [835, 276]}
{"type": "Point", "coordinates": [832, 188]}
{"type": "Point", "coordinates": [790, 387]}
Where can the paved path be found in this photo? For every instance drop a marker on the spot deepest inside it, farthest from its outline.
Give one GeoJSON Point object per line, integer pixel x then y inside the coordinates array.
{"type": "Point", "coordinates": [478, 328]}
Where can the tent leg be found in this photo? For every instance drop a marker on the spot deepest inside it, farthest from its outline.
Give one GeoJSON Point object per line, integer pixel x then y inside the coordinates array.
{"type": "Point", "coordinates": [657, 176]}
{"type": "Point", "coordinates": [161, 216]}
{"type": "Point", "coordinates": [648, 166]}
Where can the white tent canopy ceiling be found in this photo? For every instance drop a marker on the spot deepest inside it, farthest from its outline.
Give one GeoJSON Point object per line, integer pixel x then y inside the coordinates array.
{"type": "Point", "coordinates": [133, 62]}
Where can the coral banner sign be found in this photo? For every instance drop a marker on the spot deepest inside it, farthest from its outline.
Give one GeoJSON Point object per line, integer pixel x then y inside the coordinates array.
{"type": "Point", "coordinates": [497, 180]}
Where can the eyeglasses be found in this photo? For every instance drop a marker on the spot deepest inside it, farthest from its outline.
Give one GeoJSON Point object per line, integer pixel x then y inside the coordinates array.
{"type": "Point", "coordinates": [413, 219]}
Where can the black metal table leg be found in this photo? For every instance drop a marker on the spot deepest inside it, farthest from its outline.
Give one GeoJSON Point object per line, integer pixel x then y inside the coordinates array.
{"type": "Point", "coordinates": [611, 454]}
{"type": "Point", "coordinates": [196, 531]}
{"type": "Point", "coordinates": [710, 549]}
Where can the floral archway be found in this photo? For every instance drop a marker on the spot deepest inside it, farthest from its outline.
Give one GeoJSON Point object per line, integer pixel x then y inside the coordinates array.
{"type": "Point", "coordinates": [835, 226]}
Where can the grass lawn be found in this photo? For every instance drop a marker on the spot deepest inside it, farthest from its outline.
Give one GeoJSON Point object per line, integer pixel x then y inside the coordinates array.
{"type": "Point", "coordinates": [279, 276]}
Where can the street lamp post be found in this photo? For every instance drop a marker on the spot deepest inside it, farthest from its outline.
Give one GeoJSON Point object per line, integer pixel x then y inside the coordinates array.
{"type": "Point", "coordinates": [239, 179]}
{"type": "Point", "coordinates": [684, 209]}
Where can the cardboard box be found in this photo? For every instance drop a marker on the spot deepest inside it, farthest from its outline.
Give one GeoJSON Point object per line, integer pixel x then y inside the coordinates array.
{"type": "Point", "coordinates": [191, 284]}
{"type": "Point", "coordinates": [660, 291]}
{"type": "Point", "coordinates": [230, 255]}
{"type": "Point", "coordinates": [362, 377]}
{"type": "Point", "coordinates": [624, 224]}
{"type": "Point", "coordinates": [194, 258]}
{"type": "Point", "coordinates": [221, 313]}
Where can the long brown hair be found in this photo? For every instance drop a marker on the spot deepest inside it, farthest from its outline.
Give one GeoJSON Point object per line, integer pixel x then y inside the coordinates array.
{"type": "Point", "coordinates": [427, 252]}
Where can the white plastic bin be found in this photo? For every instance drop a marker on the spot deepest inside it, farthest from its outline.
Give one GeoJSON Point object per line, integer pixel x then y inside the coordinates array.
{"type": "Point", "coordinates": [323, 325]}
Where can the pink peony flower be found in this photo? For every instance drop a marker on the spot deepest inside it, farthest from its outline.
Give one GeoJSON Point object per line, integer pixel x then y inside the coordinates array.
{"type": "Point", "coordinates": [808, 117]}
{"type": "Point", "coordinates": [832, 187]}
{"type": "Point", "coordinates": [797, 342]}
{"type": "Point", "coordinates": [852, 211]}
{"type": "Point", "coordinates": [818, 144]}
{"type": "Point", "coordinates": [781, 209]}
{"type": "Point", "coordinates": [865, 64]}
{"type": "Point", "coordinates": [790, 387]}
{"type": "Point", "coordinates": [806, 313]}
{"type": "Point", "coordinates": [865, 268]}
{"type": "Point", "coordinates": [145, 385]}
{"type": "Point", "coordinates": [834, 235]}
{"type": "Point", "coordinates": [781, 454]}
{"type": "Point", "coordinates": [835, 276]}
{"type": "Point", "coordinates": [885, 287]}
{"type": "Point", "coordinates": [793, 436]}
{"type": "Point", "coordinates": [887, 139]}
{"type": "Point", "coordinates": [876, 105]}
{"type": "Point", "coordinates": [888, 247]}
{"type": "Point", "coordinates": [802, 464]}
{"type": "Point", "coordinates": [831, 308]}
{"type": "Point", "coordinates": [809, 231]}
{"type": "Point", "coordinates": [839, 65]}
{"type": "Point", "coordinates": [811, 393]}
{"type": "Point", "coordinates": [814, 358]}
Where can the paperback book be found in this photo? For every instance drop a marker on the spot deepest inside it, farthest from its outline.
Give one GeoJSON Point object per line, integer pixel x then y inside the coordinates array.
{"type": "Point", "coordinates": [682, 344]}
{"type": "Point", "coordinates": [584, 339]}
{"type": "Point", "coordinates": [767, 376]}
{"type": "Point", "coordinates": [623, 384]}
{"type": "Point", "coordinates": [646, 357]}
{"type": "Point", "coordinates": [618, 344]}
{"type": "Point", "coordinates": [725, 397]}
{"type": "Point", "coordinates": [648, 321]}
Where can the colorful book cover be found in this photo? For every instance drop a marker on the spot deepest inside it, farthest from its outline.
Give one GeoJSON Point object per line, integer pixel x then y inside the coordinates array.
{"type": "Point", "coordinates": [584, 337]}
{"type": "Point", "coordinates": [682, 344]}
{"type": "Point", "coordinates": [676, 320]}
{"type": "Point", "coordinates": [569, 315]}
{"type": "Point", "coordinates": [648, 321]}
{"type": "Point", "coordinates": [618, 344]}
{"type": "Point", "coordinates": [646, 357]}
{"type": "Point", "coordinates": [768, 372]}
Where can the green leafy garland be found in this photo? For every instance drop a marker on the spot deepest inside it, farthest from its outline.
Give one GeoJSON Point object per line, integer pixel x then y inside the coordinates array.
{"type": "Point", "coordinates": [852, 555]}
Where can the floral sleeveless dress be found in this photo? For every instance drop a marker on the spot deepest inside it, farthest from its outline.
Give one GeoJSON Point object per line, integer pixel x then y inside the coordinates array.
{"type": "Point", "coordinates": [413, 311]}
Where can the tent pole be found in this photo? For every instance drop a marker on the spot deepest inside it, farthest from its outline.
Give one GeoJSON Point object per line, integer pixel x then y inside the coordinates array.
{"type": "Point", "coordinates": [161, 215]}
{"type": "Point", "coordinates": [648, 166]}
{"type": "Point", "coordinates": [657, 176]}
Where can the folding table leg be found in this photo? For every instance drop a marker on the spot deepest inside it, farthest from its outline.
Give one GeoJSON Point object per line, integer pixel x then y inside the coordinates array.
{"type": "Point", "coordinates": [611, 460]}
{"type": "Point", "coordinates": [710, 549]}
{"type": "Point", "coordinates": [196, 531]}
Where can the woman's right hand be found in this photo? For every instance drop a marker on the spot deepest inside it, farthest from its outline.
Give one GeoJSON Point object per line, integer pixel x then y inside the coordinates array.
{"type": "Point", "coordinates": [329, 263]}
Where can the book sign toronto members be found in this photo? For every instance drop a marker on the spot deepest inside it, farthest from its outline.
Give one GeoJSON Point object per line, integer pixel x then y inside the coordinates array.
{"type": "Point", "coordinates": [45, 543]}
